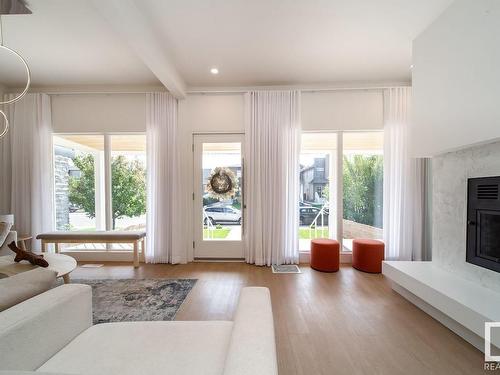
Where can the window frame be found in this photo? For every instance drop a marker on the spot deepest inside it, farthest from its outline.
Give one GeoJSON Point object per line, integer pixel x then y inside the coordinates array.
{"type": "Point", "coordinates": [339, 182]}
{"type": "Point", "coordinates": [106, 175]}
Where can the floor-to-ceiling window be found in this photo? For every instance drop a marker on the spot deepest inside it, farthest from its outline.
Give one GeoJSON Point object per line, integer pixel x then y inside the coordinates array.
{"type": "Point", "coordinates": [341, 187]}
{"type": "Point", "coordinates": [100, 184]}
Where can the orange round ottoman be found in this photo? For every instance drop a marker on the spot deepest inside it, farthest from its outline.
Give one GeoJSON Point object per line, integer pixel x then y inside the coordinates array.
{"type": "Point", "coordinates": [325, 255]}
{"type": "Point", "coordinates": [367, 255]}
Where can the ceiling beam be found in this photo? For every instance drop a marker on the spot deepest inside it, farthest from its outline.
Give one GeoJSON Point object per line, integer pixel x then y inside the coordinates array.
{"type": "Point", "coordinates": [127, 19]}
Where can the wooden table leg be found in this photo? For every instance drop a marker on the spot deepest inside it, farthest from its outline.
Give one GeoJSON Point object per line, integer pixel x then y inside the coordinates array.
{"type": "Point", "coordinates": [136, 254]}
{"type": "Point", "coordinates": [22, 245]}
{"type": "Point", "coordinates": [44, 246]}
{"type": "Point", "coordinates": [66, 278]}
{"type": "Point", "coordinates": [56, 246]}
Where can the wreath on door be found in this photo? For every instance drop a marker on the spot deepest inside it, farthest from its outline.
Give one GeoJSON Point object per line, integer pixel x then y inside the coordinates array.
{"type": "Point", "coordinates": [222, 183]}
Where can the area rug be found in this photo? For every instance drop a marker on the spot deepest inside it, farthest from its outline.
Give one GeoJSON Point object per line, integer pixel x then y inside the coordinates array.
{"type": "Point", "coordinates": [137, 299]}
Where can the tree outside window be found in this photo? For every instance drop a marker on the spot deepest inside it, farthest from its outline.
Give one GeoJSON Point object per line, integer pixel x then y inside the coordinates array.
{"type": "Point", "coordinates": [128, 187]}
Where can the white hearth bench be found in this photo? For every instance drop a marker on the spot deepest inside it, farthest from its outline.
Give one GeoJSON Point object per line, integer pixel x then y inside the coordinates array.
{"type": "Point", "coordinates": [131, 237]}
{"type": "Point", "coordinates": [459, 304]}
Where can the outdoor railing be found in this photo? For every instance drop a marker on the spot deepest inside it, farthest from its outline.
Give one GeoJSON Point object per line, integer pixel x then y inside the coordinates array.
{"type": "Point", "coordinates": [209, 225]}
{"type": "Point", "coordinates": [314, 225]}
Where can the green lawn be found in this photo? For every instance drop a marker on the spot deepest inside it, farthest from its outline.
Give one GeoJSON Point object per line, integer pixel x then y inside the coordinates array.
{"type": "Point", "coordinates": [307, 234]}
{"type": "Point", "coordinates": [216, 233]}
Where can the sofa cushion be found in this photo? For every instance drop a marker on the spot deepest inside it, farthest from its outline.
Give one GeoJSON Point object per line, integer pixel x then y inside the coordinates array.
{"type": "Point", "coordinates": [252, 348]}
{"type": "Point", "coordinates": [20, 287]}
{"type": "Point", "coordinates": [11, 268]}
{"type": "Point", "coordinates": [146, 348]}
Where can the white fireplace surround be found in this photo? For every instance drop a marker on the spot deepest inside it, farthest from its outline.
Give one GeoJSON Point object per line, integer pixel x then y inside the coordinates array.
{"type": "Point", "coordinates": [460, 295]}
{"type": "Point", "coordinates": [449, 199]}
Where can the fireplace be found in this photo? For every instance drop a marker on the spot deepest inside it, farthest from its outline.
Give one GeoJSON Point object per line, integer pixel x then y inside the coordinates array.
{"type": "Point", "coordinates": [483, 222]}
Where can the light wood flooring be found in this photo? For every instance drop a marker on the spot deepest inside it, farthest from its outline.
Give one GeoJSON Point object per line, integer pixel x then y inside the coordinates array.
{"type": "Point", "coordinates": [347, 322]}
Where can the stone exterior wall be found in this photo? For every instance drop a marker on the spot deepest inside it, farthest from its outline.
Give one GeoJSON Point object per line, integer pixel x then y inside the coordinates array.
{"type": "Point", "coordinates": [61, 191]}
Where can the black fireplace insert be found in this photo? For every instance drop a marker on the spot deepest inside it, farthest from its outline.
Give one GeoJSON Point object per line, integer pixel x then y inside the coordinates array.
{"type": "Point", "coordinates": [483, 222]}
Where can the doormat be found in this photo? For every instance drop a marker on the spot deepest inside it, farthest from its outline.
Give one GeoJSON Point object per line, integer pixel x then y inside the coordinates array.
{"type": "Point", "coordinates": [286, 268]}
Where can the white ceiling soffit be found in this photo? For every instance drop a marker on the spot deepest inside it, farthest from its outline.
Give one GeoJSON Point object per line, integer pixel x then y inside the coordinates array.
{"type": "Point", "coordinates": [253, 43]}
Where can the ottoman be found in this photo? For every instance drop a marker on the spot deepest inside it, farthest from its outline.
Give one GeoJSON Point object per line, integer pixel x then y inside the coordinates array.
{"type": "Point", "coordinates": [367, 255]}
{"type": "Point", "coordinates": [325, 255]}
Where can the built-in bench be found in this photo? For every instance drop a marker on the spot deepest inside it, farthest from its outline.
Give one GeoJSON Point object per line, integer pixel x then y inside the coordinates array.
{"type": "Point", "coordinates": [131, 237]}
{"type": "Point", "coordinates": [459, 304]}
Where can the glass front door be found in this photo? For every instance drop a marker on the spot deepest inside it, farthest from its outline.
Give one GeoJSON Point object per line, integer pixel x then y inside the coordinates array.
{"type": "Point", "coordinates": [218, 196]}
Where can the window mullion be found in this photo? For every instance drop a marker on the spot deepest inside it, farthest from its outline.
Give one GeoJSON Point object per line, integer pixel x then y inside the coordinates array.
{"type": "Point", "coordinates": [340, 189]}
{"type": "Point", "coordinates": [107, 182]}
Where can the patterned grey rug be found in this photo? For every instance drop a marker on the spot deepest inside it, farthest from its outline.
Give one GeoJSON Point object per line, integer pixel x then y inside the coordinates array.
{"type": "Point", "coordinates": [137, 299]}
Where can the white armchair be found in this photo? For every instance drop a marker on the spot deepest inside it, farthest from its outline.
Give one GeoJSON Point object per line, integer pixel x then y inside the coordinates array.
{"type": "Point", "coordinates": [12, 236]}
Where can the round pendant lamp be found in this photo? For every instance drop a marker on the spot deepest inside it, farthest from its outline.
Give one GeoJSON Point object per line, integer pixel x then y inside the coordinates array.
{"type": "Point", "coordinates": [28, 80]}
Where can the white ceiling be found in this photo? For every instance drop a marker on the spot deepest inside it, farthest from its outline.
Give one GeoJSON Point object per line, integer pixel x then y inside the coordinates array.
{"type": "Point", "coordinates": [252, 42]}
{"type": "Point", "coordinates": [67, 42]}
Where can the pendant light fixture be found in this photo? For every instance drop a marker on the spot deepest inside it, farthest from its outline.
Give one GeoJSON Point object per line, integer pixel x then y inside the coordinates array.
{"type": "Point", "coordinates": [14, 7]}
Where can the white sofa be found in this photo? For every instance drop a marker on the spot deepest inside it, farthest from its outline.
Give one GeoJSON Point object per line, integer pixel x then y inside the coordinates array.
{"type": "Point", "coordinates": [52, 333]}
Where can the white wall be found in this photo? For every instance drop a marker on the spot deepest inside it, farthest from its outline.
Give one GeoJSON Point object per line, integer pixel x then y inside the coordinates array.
{"type": "Point", "coordinates": [198, 113]}
{"type": "Point", "coordinates": [212, 113]}
{"type": "Point", "coordinates": [342, 110]}
{"type": "Point", "coordinates": [202, 113]}
{"type": "Point", "coordinates": [456, 79]}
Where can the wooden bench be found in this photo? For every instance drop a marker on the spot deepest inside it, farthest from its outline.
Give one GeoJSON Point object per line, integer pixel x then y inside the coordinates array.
{"type": "Point", "coordinates": [131, 237]}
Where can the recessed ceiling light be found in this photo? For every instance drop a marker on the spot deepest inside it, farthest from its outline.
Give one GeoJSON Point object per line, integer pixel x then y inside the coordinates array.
{"type": "Point", "coordinates": [214, 71]}
{"type": "Point", "coordinates": [411, 66]}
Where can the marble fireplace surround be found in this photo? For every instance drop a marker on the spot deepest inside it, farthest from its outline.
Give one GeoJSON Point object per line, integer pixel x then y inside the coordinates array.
{"type": "Point", "coordinates": [460, 295]}
{"type": "Point", "coordinates": [449, 209]}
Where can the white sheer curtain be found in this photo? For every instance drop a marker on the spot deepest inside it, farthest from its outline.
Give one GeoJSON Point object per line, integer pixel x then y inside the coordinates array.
{"type": "Point", "coordinates": [27, 165]}
{"type": "Point", "coordinates": [404, 181]}
{"type": "Point", "coordinates": [272, 177]}
{"type": "Point", "coordinates": [164, 215]}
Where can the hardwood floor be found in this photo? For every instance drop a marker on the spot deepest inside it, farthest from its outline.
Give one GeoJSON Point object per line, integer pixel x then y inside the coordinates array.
{"type": "Point", "coordinates": [347, 322]}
